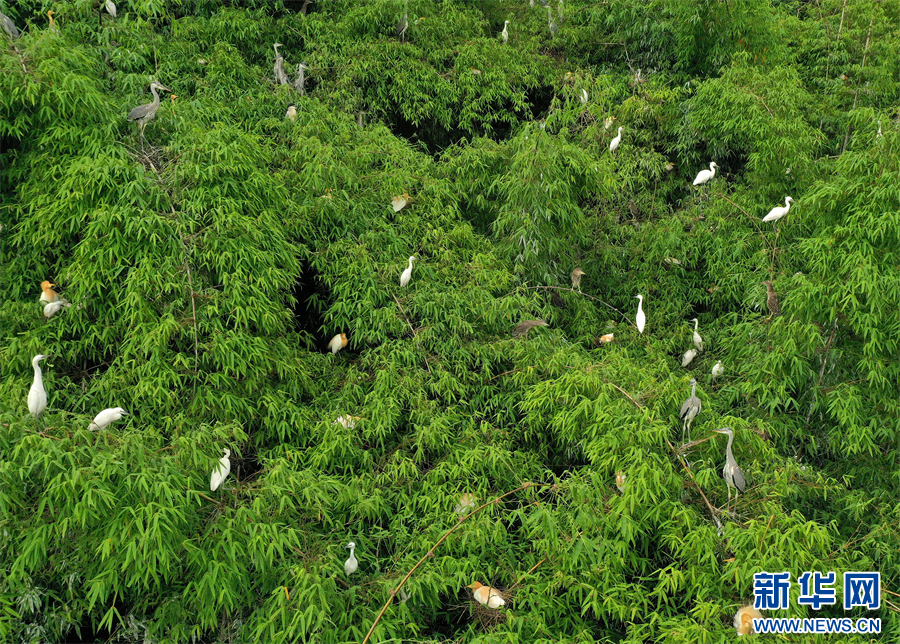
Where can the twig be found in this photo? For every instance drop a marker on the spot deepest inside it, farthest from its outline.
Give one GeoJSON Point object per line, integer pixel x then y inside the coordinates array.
{"type": "Point", "coordinates": [822, 370]}
{"type": "Point", "coordinates": [415, 337]}
{"type": "Point", "coordinates": [856, 93]}
{"type": "Point", "coordinates": [709, 505]}
{"type": "Point", "coordinates": [187, 263]}
{"type": "Point", "coordinates": [531, 570]}
{"type": "Point", "coordinates": [596, 299]}
{"type": "Point", "coordinates": [625, 393]}
{"type": "Point", "coordinates": [430, 553]}
{"type": "Point", "coordinates": [774, 251]}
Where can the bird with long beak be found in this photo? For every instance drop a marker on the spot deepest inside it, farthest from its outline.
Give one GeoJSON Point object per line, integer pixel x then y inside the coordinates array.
{"type": "Point", "coordinates": [407, 274]}
{"type": "Point", "coordinates": [107, 417]}
{"type": "Point", "coordinates": [221, 471]}
{"type": "Point", "coordinates": [337, 343]}
{"type": "Point", "coordinates": [486, 595]}
{"type": "Point", "coordinates": [743, 619]}
{"type": "Point", "coordinates": [352, 564]}
{"type": "Point", "coordinates": [47, 293]}
{"type": "Point", "coordinates": [576, 276]}
{"type": "Point", "coordinates": [37, 395]}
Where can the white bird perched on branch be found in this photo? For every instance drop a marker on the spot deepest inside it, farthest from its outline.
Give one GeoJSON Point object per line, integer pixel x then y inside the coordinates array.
{"type": "Point", "coordinates": [717, 370]}
{"type": "Point", "coordinates": [53, 308]}
{"type": "Point", "coordinates": [614, 144]}
{"type": "Point", "coordinates": [407, 274]}
{"type": "Point", "coordinates": [486, 595]}
{"type": "Point", "coordinates": [221, 471]}
{"type": "Point", "coordinates": [337, 343]}
{"type": "Point", "coordinates": [688, 357]}
{"type": "Point", "coordinates": [504, 35]}
{"type": "Point", "coordinates": [37, 395]}
{"type": "Point", "coordinates": [779, 211]}
{"type": "Point", "coordinates": [640, 318]}
{"type": "Point", "coordinates": [351, 565]}
{"type": "Point", "coordinates": [706, 175]}
{"type": "Point", "coordinates": [698, 340]}
{"type": "Point", "coordinates": [107, 417]}
{"type": "Point", "coordinates": [110, 8]}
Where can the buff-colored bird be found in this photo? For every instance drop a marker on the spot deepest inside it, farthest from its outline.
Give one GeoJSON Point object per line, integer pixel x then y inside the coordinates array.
{"type": "Point", "coordinates": [743, 619]}
{"type": "Point", "coordinates": [466, 503]}
{"type": "Point", "coordinates": [48, 295]}
{"type": "Point", "coordinates": [620, 481]}
{"type": "Point", "coordinates": [399, 202]}
{"type": "Point", "coordinates": [337, 343]}
{"type": "Point", "coordinates": [576, 278]}
{"type": "Point", "coordinates": [486, 595]}
{"type": "Point", "coordinates": [604, 339]}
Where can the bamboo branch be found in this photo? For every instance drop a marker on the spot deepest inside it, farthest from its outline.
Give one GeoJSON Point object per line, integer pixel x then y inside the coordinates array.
{"type": "Point", "coordinates": [187, 264]}
{"type": "Point", "coordinates": [822, 370]}
{"type": "Point", "coordinates": [430, 553]}
{"type": "Point", "coordinates": [415, 337]}
{"type": "Point", "coordinates": [856, 93]}
{"type": "Point", "coordinates": [596, 299]}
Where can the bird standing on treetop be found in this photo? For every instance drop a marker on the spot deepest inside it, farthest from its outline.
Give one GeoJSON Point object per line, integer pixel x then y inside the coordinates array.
{"type": "Point", "coordinates": [688, 357]}
{"type": "Point", "coordinates": [47, 293]}
{"type": "Point", "coordinates": [291, 112]}
{"type": "Point", "coordinates": [772, 300]}
{"type": "Point", "coordinates": [110, 8]}
{"type": "Point", "coordinates": [407, 274]}
{"type": "Point", "coordinates": [486, 595]}
{"type": "Point", "coordinates": [576, 278]}
{"type": "Point", "coordinates": [221, 471]}
{"type": "Point", "coordinates": [698, 341]}
{"type": "Point", "coordinates": [280, 77]}
{"type": "Point", "coordinates": [706, 175]}
{"type": "Point", "coordinates": [8, 26]}
{"type": "Point", "coordinates": [689, 411]}
{"type": "Point", "coordinates": [107, 417]}
{"type": "Point", "coordinates": [779, 211]}
{"type": "Point", "coordinates": [143, 114]}
{"type": "Point", "coordinates": [640, 318]}
{"type": "Point", "coordinates": [37, 395]}
{"type": "Point", "coordinates": [351, 565]}
{"type": "Point", "coordinates": [717, 370]}
{"type": "Point", "coordinates": [743, 619]}
{"type": "Point", "coordinates": [337, 343]}
{"type": "Point", "coordinates": [504, 35]}
{"type": "Point", "coordinates": [734, 476]}
{"type": "Point", "coordinates": [522, 328]}
{"type": "Point", "coordinates": [614, 144]}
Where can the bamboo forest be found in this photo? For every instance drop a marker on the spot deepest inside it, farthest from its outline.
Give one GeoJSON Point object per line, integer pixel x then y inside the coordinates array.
{"type": "Point", "coordinates": [460, 321]}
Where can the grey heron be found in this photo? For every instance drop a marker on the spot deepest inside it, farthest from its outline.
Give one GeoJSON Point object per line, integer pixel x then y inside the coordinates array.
{"type": "Point", "coordinates": [553, 28]}
{"type": "Point", "coordinates": [698, 340]}
{"type": "Point", "coordinates": [8, 27]}
{"type": "Point", "coordinates": [576, 278]}
{"type": "Point", "coordinates": [110, 8]}
{"type": "Point", "coordinates": [143, 114]}
{"type": "Point", "coordinates": [403, 25]}
{"type": "Point", "coordinates": [37, 395]}
{"type": "Point", "coordinates": [522, 328]}
{"type": "Point", "coordinates": [300, 81]}
{"type": "Point", "coordinates": [640, 319]}
{"type": "Point", "coordinates": [734, 476]}
{"type": "Point", "coordinates": [280, 77]}
{"type": "Point", "coordinates": [772, 300]}
{"type": "Point", "coordinates": [689, 411]}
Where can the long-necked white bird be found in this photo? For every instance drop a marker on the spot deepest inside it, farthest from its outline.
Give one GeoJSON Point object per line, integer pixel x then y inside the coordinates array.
{"type": "Point", "coordinates": [698, 340]}
{"type": "Point", "coordinates": [106, 418]}
{"type": "Point", "coordinates": [407, 274]}
{"type": "Point", "coordinates": [221, 471]}
{"type": "Point", "coordinates": [351, 565]}
{"type": "Point", "coordinates": [110, 8]}
{"type": "Point", "coordinates": [688, 357]}
{"type": "Point", "coordinates": [486, 595]}
{"type": "Point", "coordinates": [779, 211]}
{"type": "Point", "coordinates": [48, 295]}
{"type": "Point", "coordinates": [504, 35]}
{"type": "Point", "coordinates": [584, 96]}
{"type": "Point", "coordinates": [640, 318]}
{"type": "Point", "coordinates": [717, 370]}
{"type": "Point", "coordinates": [706, 175]}
{"type": "Point", "coordinates": [614, 144]}
{"type": "Point", "coordinates": [37, 395]}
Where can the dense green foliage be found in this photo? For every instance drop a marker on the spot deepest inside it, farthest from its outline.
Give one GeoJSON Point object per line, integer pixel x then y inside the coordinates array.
{"type": "Point", "coordinates": [209, 266]}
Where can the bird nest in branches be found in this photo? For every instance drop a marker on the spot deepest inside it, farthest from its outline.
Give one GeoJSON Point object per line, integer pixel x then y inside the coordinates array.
{"type": "Point", "coordinates": [489, 618]}
{"type": "Point", "coordinates": [153, 158]}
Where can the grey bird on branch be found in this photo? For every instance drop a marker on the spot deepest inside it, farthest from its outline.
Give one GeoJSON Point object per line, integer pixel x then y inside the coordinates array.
{"type": "Point", "coordinates": [522, 328]}
{"type": "Point", "coordinates": [734, 475]}
{"type": "Point", "coordinates": [143, 114]}
{"type": "Point", "coordinates": [8, 27]}
{"type": "Point", "coordinates": [772, 300]}
{"type": "Point", "coordinates": [689, 411]}
{"type": "Point", "coordinates": [576, 278]}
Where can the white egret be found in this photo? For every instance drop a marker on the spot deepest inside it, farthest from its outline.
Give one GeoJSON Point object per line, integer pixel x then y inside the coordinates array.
{"type": "Point", "coordinates": [53, 308]}
{"type": "Point", "coordinates": [346, 421]}
{"type": "Point", "coordinates": [688, 357]}
{"type": "Point", "coordinates": [110, 8]}
{"type": "Point", "coordinates": [37, 395]}
{"type": "Point", "coordinates": [584, 97]}
{"type": "Point", "coordinates": [576, 278]}
{"type": "Point", "coordinates": [291, 112]}
{"type": "Point", "coordinates": [504, 35]}
{"type": "Point", "coordinates": [779, 211]}
{"type": "Point", "coordinates": [743, 619]}
{"type": "Point", "coordinates": [407, 274]}
{"type": "Point", "coordinates": [337, 343]}
{"type": "Point", "coordinates": [351, 565]}
{"type": "Point", "coordinates": [614, 144]}
{"type": "Point", "coordinates": [107, 417]}
{"type": "Point", "coordinates": [486, 595]}
{"type": "Point", "coordinates": [605, 339]}
{"type": "Point", "coordinates": [706, 175]}
{"type": "Point", "coordinates": [466, 503]}
{"type": "Point", "coordinates": [640, 318]}
{"type": "Point", "coordinates": [221, 471]}
{"type": "Point", "coordinates": [620, 481]}
{"type": "Point", "coordinates": [717, 370]}
{"type": "Point", "coordinates": [47, 293]}
{"type": "Point", "coordinates": [698, 341]}
{"type": "Point", "coordinates": [399, 202]}
{"type": "Point", "coordinates": [608, 123]}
